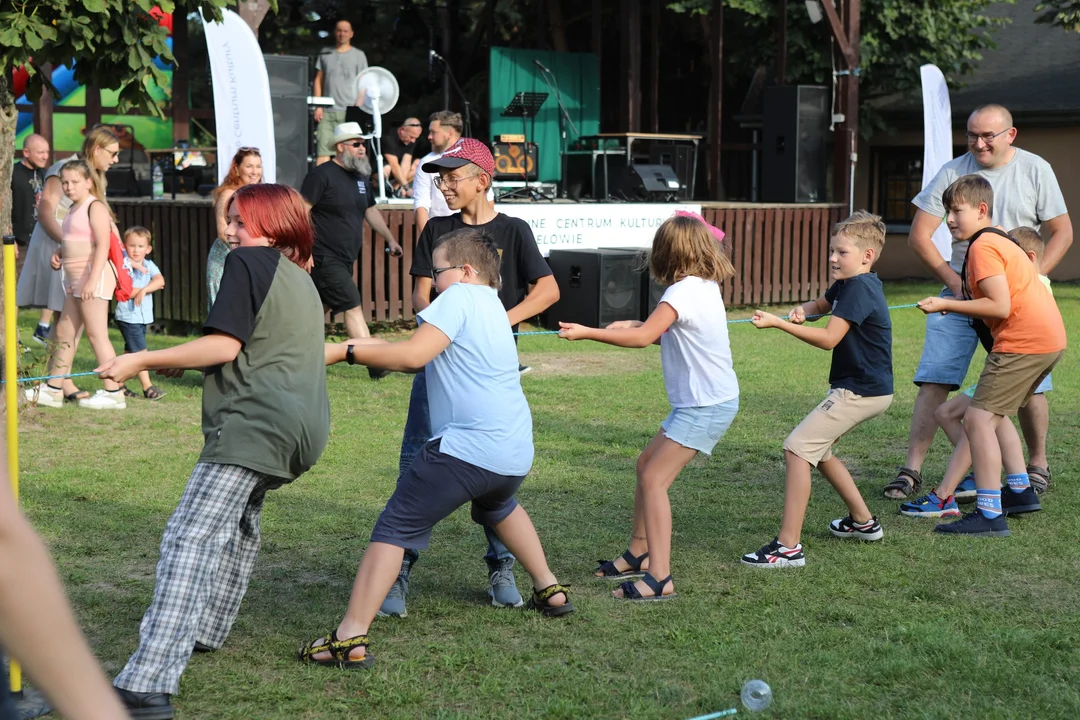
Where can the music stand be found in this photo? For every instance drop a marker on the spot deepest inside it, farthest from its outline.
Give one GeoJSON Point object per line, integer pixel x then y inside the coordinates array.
{"type": "Point", "coordinates": [525, 105]}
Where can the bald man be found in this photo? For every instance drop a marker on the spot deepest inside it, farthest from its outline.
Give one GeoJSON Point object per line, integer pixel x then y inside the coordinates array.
{"type": "Point", "coordinates": [27, 179]}
{"type": "Point", "coordinates": [400, 161]}
{"type": "Point", "coordinates": [1026, 193]}
{"type": "Point", "coordinates": [335, 77]}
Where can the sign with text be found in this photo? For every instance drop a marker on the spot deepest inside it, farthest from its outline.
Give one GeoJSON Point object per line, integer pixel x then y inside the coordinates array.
{"type": "Point", "coordinates": [577, 226]}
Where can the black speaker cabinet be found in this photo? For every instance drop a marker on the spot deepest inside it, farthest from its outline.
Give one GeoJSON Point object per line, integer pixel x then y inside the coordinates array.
{"type": "Point", "coordinates": [289, 88]}
{"type": "Point", "coordinates": [650, 183]}
{"type": "Point", "coordinates": [651, 291]}
{"type": "Point", "coordinates": [795, 144]}
{"type": "Point", "coordinates": [680, 158]}
{"type": "Point", "coordinates": [515, 161]}
{"type": "Point", "coordinates": [596, 287]}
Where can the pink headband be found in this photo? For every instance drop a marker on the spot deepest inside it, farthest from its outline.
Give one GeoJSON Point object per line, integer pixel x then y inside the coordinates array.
{"type": "Point", "coordinates": [716, 232]}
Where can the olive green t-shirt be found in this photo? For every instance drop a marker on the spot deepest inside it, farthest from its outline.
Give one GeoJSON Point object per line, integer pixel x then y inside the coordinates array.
{"type": "Point", "coordinates": [267, 410]}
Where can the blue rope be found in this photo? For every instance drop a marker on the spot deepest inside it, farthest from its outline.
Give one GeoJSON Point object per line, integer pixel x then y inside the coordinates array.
{"type": "Point", "coordinates": [730, 322]}
{"type": "Point", "coordinates": [46, 378]}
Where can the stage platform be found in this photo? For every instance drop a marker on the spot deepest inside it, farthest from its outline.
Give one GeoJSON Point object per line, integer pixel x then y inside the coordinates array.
{"type": "Point", "coordinates": [779, 251]}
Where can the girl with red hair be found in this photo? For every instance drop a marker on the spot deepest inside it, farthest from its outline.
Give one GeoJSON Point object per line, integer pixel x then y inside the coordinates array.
{"type": "Point", "coordinates": [266, 420]}
{"type": "Point", "coordinates": [245, 169]}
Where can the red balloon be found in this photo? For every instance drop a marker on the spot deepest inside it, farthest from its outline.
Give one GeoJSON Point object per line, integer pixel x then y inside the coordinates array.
{"type": "Point", "coordinates": [164, 19]}
{"type": "Point", "coordinates": [19, 78]}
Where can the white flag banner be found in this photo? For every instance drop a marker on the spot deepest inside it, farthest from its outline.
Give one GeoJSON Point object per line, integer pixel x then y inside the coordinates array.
{"type": "Point", "coordinates": [241, 93]}
{"type": "Point", "coordinates": [937, 139]}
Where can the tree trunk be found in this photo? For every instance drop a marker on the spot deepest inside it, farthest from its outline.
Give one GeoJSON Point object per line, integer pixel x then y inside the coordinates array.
{"type": "Point", "coordinates": [9, 117]}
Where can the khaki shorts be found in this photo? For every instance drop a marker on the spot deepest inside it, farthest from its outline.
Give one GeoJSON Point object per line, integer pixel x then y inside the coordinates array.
{"type": "Point", "coordinates": [324, 136]}
{"type": "Point", "coordinates": [1008, 380]}
{"type": "Point", "coordinates": [840, 411]}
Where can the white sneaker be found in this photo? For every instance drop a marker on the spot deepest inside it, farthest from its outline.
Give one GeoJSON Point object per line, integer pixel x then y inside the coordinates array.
{"type": "Point", "coordinates": [105, 400]}
{"type": "Point", "coordinates": [44, 396]}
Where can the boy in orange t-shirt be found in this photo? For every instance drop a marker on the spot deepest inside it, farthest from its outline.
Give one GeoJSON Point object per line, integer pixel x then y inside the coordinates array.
{"type": "Point", "coordinates": [1004, 290]}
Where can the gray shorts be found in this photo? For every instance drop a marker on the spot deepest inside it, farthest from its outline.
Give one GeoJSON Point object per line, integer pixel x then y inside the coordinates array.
{"type": "Point", "coordinates": [433, 487]}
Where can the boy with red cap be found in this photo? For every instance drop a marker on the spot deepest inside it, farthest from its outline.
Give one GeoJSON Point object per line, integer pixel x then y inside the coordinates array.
{"type": "Point", "coordinates": [465, 171]}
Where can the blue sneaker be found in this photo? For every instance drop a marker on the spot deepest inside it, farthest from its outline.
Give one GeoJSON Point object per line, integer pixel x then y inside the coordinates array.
{"type": "Point", "coordinates": [503, 588]}
{"type": "Point", "coordinates": [965, 491]}
{"type": "Point", "coordinates": [931, 506]}
{"type": "Point", "coordinates": [394, 604]}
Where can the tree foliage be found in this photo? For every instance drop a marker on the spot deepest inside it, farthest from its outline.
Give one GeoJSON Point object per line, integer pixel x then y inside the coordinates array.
{"type": "Point", "coordinates": [1060, 13]}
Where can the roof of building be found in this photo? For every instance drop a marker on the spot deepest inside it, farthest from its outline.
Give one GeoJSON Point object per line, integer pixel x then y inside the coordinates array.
{"type": "Point", "coordinates": [1033, 72]}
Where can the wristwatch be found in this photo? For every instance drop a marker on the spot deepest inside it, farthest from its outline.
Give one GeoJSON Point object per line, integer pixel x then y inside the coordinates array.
{"type": "Point", "coordinates": [349, 357]}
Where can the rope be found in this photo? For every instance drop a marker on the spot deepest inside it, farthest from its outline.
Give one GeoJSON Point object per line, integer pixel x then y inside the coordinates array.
{"type": "Point", "coordinates": [46, 378]}
{"type": "Point", "coordinates": [730, 322]}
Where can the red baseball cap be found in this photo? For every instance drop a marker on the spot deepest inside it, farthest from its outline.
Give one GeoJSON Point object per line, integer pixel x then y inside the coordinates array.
{"type": "Point", "coordinates": [464, 151]}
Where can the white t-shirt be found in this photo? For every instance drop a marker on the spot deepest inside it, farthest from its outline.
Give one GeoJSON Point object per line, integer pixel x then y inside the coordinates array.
{"type": "Point", "coordinates": [425, 194]}
{"type": "Point", "coordinates": [695, 352]}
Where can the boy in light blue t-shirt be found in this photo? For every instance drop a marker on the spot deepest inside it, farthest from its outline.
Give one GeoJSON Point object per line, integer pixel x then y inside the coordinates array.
{"type": "Point", "coordinates": [134, 316]}
{"type": "Point", "coordinates": [481, 448]}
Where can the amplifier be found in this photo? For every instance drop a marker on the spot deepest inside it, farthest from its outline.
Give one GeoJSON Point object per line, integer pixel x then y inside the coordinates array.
{"type": "Point", "coordinates": [515, 161]}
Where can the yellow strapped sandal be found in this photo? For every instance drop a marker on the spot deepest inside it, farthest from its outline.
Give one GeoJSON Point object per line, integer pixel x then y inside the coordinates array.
{"type": "Point", "coordinates": [339, 652]}
{"type": "Point", "coordinates": [540, 598]}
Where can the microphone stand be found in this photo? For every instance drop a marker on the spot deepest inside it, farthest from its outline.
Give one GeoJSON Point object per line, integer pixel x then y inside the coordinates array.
{"type": "Point", "coordinates": [464, 98]}
{"type": "Point", "coordinates": [564, 117]}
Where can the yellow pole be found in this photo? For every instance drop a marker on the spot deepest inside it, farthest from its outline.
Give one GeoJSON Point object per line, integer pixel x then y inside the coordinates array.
{"type": "Point", "coordinates": [11, 394]}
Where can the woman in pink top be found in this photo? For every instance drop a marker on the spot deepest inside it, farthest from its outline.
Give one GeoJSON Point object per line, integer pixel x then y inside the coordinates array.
{"type": "Point", "coordinates": [89, 283]}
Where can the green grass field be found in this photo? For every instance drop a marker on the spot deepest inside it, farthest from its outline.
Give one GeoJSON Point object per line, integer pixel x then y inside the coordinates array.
{"type": "Point", "coordinates": [915, 626]}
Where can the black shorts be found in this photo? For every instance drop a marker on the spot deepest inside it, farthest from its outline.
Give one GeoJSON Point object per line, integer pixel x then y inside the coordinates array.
{"type": "Point", "coordinates": [433, 487]}
{"type": "Point", "coordinates": [334, 281]}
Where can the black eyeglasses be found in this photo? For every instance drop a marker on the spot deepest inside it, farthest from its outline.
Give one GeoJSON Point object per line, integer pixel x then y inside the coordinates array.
{"type": "Point", "coordinates": [986, 137]}
{"type": "Point", "coordinates": [358, 143]}
{"type": "Point", "coordinates": [413, 125]}
{"type": "Point", "coordinates": [435, 271]}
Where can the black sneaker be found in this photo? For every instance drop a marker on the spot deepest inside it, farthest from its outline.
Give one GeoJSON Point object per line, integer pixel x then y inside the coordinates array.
{"type": "Point", "coordinates": [146, 706]}
{"type": "Point", "coordinates": [41, 334]}
{"type": "Point", "coordinates": [376, 373]}
{"type": "Point", "coordinates": [775, 556]}
{"type": "Point", "coordinates": [522, 369]}
{"type": "Point", "coordinates": [1013, 503]}
{"type": "Point", "coordinates": [976, 524]}
{"type": "Point", "coordinates": [845, 527]}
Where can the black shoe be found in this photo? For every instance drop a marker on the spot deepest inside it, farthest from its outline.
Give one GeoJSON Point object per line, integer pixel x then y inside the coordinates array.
{"type": "Point", "coordinates": [1013, 503]}
{"type": "Point", "coordinates": [202, 648]}
{"type": "Point", "coordinates": [522, 369]}
{"type": "Point", "coordinates": [976, 524]}
{"type": "Point", "coordinates": [146, 706]}
{"type": "Point", "coordinates": [376, 373]}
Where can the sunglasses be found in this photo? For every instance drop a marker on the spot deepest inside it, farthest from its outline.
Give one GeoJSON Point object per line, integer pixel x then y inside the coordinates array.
{"type": "Point", "coordinates": [435, 272]}
{"type": "Point", "coordinates": [254, 150]}
{"type": "Point", "coordinates": [356, 144]}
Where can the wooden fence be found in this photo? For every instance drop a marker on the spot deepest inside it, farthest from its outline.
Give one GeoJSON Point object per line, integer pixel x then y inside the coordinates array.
{"type": "Point", "coordinates": [780, 253]}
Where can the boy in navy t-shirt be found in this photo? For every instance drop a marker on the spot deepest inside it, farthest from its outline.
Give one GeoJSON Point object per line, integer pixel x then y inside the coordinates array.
{"type": "Point", "coordinates": [859, 333]}
{"type": "Point", "coordinates": [480, 450]}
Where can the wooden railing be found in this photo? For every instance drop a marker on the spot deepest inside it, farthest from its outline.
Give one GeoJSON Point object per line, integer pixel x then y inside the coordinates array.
{"type": "Point", "coordinates": [780, 254]}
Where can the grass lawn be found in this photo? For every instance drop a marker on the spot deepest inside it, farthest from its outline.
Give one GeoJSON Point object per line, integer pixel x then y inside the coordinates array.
{"type": "Point", "coordinates": [915, 626]}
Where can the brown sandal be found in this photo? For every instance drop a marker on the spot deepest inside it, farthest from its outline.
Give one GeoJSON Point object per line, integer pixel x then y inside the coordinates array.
{"type": "Point", "coordinates": [1039, 478]}
{"type": "Point", "coordinates": [908, 482]}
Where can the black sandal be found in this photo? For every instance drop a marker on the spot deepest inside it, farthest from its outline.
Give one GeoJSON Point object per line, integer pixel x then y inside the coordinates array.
{"type": "Point", "coordinates": [153, 393]}
{"type": "Point", "coordinates": [630, 591]}
{"type": "Point", "coordinates": [339, 652]}
{"type": "Point", "coordinates": [75, 396]}
{"type": "Point", "coordinates": [610, 572]}
{"type": "Point", "coordinates": [908, 482]}
{"type": "Point", "coordinates": [539, 601]}
{"type": "Point", "coordinates": [1039, 478]}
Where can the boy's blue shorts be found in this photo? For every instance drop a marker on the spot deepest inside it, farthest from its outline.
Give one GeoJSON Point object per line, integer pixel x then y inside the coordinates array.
{"type": "Point", "coordinates": [134, 335]}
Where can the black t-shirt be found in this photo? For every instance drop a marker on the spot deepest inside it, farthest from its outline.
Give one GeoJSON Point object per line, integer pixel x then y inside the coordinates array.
{"type": "Point", "coordinates": [338, 200]}
{"type": "Point", "coordinates": [522, 262]}
{"type": "Point", "coordinates": [267, 410]}
{"type": "Point", "coordinates": [26, 187]}
{"type": "Point", "coordinates": [862, 362]}
{"type": "Point", "coordinates": [392, 145]}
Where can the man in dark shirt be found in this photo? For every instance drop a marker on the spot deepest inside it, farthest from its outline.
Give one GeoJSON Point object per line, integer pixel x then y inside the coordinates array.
{"type": "Point", "coordinates": [399, 156]}
{"type": "Point", "coordinates": [340, 200]}
{"type": "Point", "coordinates": [27, 180]}
{"type": "Point", "coordinates": [465, 172]}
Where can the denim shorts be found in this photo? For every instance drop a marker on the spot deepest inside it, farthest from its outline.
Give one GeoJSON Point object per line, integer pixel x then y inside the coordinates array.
{"type": "Point", "coordinates": [700, 428]}
{"type": "Point", "coordinates": [134, 335]}
{"type": "Point", "coordinates": [947, 349]}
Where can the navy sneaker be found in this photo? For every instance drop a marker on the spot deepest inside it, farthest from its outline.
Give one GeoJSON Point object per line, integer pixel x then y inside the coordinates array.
{"type": "Point", "coordinates": [146, 706]}
{"type": "Point", "coordinates": [41, 334]}
{"type": "Point", "coordinates": [775, 556]}
{"type": "Point", "coordinates": [931, 506]}
{"type": "Point", "coordinates": [976, 525]}
{"type": "Point", "coordinates": [845, 527]}
{"type": "Point", "coordinates": [965, 491]}
{"type": "Point", "coordinates": [502, 587]}
{"type": "Point", "coordinates": [1013, 503]}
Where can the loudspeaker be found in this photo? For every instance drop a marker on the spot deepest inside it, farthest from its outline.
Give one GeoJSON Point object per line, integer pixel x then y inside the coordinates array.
{"type": "Point", "coordinates": [289, 88]}
{"type": "Point", "coordinates": [653, 183]}
{"type": "Point", "coordinates": [795, 144]}
{"type": "Point", "coordinates": [680, 158]}
{"type": "Point", "coordinates": [596, 287]}
{"type": "Point", "coordinates": [651, 291]}
{"type": "Point", "coordinates": [515, 161]}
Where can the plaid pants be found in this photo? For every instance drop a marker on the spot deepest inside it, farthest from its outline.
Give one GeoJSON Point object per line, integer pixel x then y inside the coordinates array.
{"type": "Point", "coordinates": [207, 554]}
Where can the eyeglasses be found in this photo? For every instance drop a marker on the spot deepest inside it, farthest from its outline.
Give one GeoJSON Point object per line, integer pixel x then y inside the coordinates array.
{"type": "Point", "coordinates": [358, 143]}
{"type": "Point", "coordinates": [412, 125]}
{"type": "Point", "coordinates": [985, 137]}
{"type": "Point", "coordinates": [435, 271]}
{"type": "Point", "coordinates": [441, 182]}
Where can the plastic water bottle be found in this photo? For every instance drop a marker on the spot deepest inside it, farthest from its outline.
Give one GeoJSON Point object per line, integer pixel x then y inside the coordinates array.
{"type": "Point", "coordinates": [159, 181]}
{"type": "Point", "coordinates": [756, 695]}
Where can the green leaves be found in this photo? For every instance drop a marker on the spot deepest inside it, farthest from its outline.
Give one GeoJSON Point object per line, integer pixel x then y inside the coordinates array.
{"type": "Point", "coordinates": [1062, 13]}
{"type": "Point", "coordinates": [94, 6]}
